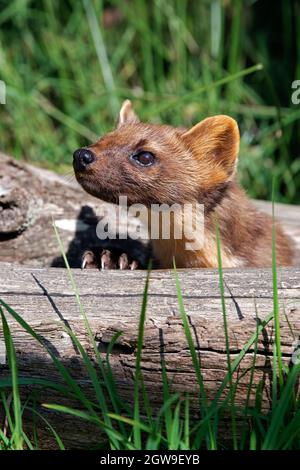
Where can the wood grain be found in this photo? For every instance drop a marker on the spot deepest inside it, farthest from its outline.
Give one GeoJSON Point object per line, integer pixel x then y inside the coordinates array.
{"type": "Point", "coordinates": [112, 301]}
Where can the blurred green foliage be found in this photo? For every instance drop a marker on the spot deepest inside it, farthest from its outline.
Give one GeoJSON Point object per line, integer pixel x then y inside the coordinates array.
{"type": "Point", "coordinates": [68, 65]}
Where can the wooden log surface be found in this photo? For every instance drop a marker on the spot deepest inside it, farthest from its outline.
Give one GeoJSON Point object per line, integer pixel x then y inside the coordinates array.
{"type": "Point", "coordinates": [112, 301]}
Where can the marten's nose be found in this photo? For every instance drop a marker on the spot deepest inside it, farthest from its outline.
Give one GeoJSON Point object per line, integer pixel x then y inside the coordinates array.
{"type": "Point", "coordinates": [82, 158]}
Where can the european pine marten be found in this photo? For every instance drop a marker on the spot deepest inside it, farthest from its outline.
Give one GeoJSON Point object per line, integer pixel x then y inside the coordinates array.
{"type": "Point", "coordinates": [160, 164]}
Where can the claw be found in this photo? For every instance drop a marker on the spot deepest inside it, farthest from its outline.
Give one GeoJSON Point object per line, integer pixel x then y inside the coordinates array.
{"type": "Point", "coordinates": [123, 261]}
{"type": "Point", "coordinates": [107, 261]}
{"type": "Point", "coordinates": [134, 265]}
{"type": "Point", "coordinates": [104, 258]}
{"type": "Point", "coordinates": [88, 260]}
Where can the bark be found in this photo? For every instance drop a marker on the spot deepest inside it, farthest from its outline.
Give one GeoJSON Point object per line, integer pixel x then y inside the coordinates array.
{"type": "Point", "coordinates": [112, 301]}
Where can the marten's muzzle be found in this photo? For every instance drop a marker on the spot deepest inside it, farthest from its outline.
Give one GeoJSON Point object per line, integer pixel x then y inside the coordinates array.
{"type": "Point", "coordinates": [82, 158]}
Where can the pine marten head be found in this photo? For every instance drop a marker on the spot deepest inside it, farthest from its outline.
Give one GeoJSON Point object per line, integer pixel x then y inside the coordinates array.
{"type": "Point", "coordinates": [158, 163]}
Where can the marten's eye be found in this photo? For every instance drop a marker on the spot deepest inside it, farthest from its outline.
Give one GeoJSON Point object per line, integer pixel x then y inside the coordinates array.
{"type": "Point", "coordinates": [143, 158]}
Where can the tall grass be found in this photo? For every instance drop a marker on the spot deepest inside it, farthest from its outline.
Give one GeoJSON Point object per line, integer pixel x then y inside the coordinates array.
{"type": "Point", "coordinates": [68, 67]}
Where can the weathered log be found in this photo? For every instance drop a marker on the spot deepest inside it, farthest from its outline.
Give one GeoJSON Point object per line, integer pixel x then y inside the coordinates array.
{"type": "Point", "coordinates": [112, 301]}
{"type": "Point", "coordinates": [31, 198]}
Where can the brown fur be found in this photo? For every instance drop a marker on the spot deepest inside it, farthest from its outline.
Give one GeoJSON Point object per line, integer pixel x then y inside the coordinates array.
{"type": "Point", "coordinates": [192, 166]}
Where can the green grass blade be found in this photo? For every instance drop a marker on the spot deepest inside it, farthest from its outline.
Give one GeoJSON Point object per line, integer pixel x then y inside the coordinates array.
{"type": "Point", "coordinates": [275, 294]}
{"type": "Point", "coordinates": [102, 55]}
{"type": "Point", "coordinates": [97, 386]}
{"type": "Point", "coordinates": [136, 430]}
{"type": "Point", "coordinates": [187, 424]}
{"type": "Point", "coordinates": [17, 434]}
{"type": "Point", "coordinates": [188, 97]}
{"type": "Point", "coordinates": [196, 363]}
{"type": "Point", "coordinates": [249, 388]}
{"type": "Point", "coordinates": [85, 416]}
{"type": "Point", "coordinates": [175, 429]}
{"type": "Point", "coordinates": [166, 397]}
{"type": "Point", "coordinates": [222, 291]}
{"type": "Point", "coordinates": [282, 405]}
{"type": "Point", "coordinates": [61, 368]}
{"type": "Point", "coordinates": [104, 374]}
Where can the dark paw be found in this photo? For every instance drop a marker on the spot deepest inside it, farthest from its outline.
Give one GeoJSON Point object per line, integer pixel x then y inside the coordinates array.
{"type": "Point", "coordinates": [107, 259]}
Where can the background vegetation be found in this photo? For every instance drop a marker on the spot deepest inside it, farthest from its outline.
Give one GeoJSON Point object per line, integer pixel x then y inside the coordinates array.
{"type": "Point", "coordinates": [68, 65]}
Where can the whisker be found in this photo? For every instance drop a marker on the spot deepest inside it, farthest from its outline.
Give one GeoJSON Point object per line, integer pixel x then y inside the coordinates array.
{"type": "Point", "coordinates": [69, 177]}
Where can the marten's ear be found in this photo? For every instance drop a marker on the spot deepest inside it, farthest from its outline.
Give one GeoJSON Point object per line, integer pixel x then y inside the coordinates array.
{"type": "Point", "coordinates": [216, 140]}
{"type": "Point", "coordinates": [127, 115]}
